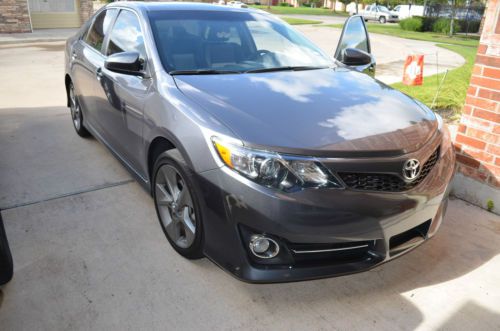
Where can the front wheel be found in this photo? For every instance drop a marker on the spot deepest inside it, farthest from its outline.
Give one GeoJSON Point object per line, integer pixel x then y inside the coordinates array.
{"type": "Point", "coordinates": [177, 205]}
{"type": "Point", "coordinates": [382, 19]}
{"type": "Point", "coordinates": [6, 265]}
{"type": "Point", "coordinates": [76, 113]}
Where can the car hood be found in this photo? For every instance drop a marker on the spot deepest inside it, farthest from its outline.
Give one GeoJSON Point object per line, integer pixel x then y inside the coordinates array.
{"type": "Point", "coordinates": [316, 112]}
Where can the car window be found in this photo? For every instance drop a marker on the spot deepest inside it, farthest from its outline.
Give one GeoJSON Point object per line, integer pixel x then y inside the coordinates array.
{"type": "Point", "coordinates": [126, 35]}
{"type": "Point", "coordinates": [368, 8]}
{"type": "Point", "coordinates": [354, 35]}
{"type": "Point", "coordinates": [266, 38]}
{"type": "Point", "coordinates": [234, 41]}
{"type": "Point", "coordinates": [95, 36]}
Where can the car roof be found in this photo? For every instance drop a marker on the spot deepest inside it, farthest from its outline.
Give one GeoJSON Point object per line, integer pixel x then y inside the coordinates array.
{"type": "Point", "coordinates": [160, 6]}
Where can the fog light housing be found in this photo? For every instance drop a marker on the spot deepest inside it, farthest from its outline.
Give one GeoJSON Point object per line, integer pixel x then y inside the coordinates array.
{"type": "Point", "coordinates": [263, 247]}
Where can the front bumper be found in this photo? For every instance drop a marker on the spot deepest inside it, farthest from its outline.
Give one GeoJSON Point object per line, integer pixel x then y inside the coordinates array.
{"type": "Point", "coordinates": [234, 206]}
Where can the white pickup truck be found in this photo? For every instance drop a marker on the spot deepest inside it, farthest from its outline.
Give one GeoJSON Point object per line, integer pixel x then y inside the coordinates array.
{"type": "Point", "coordinates": [378, 13]}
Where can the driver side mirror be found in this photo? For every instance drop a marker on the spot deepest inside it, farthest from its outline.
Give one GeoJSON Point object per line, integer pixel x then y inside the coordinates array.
{"type": "Point", "coordinates": [128, 63]}
{"type": "Point", "coordinates": [354, 48]}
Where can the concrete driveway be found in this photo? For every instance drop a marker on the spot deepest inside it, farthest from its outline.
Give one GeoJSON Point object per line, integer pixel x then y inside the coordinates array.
{"type": "Point", "coordinates": [89, 252]}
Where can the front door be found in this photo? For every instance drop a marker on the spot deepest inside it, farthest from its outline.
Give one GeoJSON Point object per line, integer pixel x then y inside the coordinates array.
{"type": "Point", "coordinates": [122, 96]}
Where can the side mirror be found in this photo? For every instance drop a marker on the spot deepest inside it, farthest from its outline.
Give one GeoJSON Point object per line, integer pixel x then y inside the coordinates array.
{"type": "Point", "coordinates": [355, 57]}
{"type": "Point", "coordinates": [128, 63]}
{"type": "Point", "coordinates": [354, 46]}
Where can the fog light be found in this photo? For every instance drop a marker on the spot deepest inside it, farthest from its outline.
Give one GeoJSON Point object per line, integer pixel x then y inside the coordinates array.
{"type": "Point", "coordinates": [263, 247]}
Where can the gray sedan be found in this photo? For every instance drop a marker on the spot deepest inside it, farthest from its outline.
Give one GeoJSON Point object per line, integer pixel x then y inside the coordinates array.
{"type": "Point", "coordinates": [262, 153]}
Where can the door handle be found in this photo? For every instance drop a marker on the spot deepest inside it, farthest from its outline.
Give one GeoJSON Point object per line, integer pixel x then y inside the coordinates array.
{"type": "Point", "coordinates": [98, 73]}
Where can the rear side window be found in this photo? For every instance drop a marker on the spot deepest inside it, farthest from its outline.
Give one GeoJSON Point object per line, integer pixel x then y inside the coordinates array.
{"type": "Point", "coordinates": [126, 35]}
{"type": "Point", "coordinates": [95, 36]}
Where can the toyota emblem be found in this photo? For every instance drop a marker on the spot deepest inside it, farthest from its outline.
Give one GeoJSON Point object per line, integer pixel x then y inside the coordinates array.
{"type": "Point", "coordinates": [411, 169]}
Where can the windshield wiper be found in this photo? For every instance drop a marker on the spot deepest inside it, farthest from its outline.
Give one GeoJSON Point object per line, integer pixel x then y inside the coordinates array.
{"type": "Point", "coordinates": [287, 68]}
{"type": "Point", "coordinates": [203, 72]}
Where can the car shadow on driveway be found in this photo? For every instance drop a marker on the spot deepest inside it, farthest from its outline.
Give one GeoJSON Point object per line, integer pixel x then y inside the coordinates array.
{"type": "Point", "coordinates": [450, 268]}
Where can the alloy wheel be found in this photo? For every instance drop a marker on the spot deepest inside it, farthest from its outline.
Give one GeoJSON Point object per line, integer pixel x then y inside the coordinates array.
{"type": "Point", "coordinates": [75, 108]}
{"type": "Point", "coordinates": [175, 206]}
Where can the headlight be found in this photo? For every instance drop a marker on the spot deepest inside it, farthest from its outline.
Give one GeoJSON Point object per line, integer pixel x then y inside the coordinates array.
{"type": "Point", "coordinates": [271, 169]}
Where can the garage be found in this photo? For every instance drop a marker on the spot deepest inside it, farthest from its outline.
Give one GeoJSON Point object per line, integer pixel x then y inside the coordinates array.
{"type": "Point", "coordinates": [54, 14]}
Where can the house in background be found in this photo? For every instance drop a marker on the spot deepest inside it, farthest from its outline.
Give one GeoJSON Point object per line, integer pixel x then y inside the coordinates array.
{"type": "Point", "coordinates": [26, 15]}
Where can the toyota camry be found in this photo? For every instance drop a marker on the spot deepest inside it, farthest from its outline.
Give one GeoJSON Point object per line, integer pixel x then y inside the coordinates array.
{"type": "Point", "coordinates": [276, 161]}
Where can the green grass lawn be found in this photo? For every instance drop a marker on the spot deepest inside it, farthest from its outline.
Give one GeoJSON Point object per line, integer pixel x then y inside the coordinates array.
{"type": "Point", "coordinates": [396, 31]}
{"type": "Point", "coordinates": [299, 21]}
{"type": "Point", "coordinates": [452, 96]}
{"type": "Point", "coordinates": [300, 11]}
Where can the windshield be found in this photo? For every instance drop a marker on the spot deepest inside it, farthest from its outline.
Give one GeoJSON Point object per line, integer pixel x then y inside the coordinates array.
{"type": "Point", "coordinates": [226, 41]}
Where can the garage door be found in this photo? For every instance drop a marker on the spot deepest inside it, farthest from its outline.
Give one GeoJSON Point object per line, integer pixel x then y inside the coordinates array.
{"type": "Point", "coordinates": [54, 14]}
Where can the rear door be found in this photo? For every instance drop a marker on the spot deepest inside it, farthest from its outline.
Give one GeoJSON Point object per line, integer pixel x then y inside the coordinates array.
{"type": "Point", "coordinates": [87, 58]}
{"type": "Point", "coordinates": [121, 97]}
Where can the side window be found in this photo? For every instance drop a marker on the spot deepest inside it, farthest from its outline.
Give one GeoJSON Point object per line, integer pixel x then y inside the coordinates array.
{"type": "Point", "coordinates": [126, 35]}
{"type": "Point", "coordinates": [95, 36]}
{"type": "Point", "coordinates": [368, 8]}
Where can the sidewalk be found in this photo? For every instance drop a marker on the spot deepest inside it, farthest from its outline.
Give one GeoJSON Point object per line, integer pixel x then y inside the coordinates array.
{"type": "Point", "coordinates": [40, 35]}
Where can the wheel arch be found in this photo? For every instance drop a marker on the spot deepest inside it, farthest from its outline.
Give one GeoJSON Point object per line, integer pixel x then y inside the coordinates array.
{"type": "Point", "coordinates": [160, 144]}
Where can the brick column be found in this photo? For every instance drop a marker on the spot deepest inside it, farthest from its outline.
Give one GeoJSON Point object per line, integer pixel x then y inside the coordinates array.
{"type": "Point", "coordinates": [478, 137]}
{"type": "Point", "coordinates": [86, 9]}
{"type": "Point", "coordinates": [14, 16]}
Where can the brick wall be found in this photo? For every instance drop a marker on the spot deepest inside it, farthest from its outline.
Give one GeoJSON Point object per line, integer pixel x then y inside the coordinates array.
{"type": "Point", "coordinates": [478, 136]}
{"type": "Point", "coordinates": [14, 16]}
{"type": "Point", "coordinates": [86, 10]}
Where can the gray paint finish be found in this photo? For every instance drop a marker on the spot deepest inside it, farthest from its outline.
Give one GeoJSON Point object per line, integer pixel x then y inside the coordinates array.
{"type": "Point", "coordinates": [348, 120]}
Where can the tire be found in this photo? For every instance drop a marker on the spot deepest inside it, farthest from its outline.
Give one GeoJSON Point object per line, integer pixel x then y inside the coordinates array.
{"type": "Point", "coordinates": [179, 215]}
{"type": "Point", "coordinates": [6, 264]}
{"type": "Point", "coordinates": [76, 112]}
{"type": "Point", "coordinates": [382, 20]}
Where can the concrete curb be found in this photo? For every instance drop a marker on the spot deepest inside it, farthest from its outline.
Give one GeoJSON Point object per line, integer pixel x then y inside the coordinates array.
{"type": "Point", "coordinates": [30, 41]}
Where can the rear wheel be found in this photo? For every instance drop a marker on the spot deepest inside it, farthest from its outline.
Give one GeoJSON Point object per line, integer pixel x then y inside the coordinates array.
{"type": "Point", "coordinates": [382, 19]}
{"type": "Point", "coordinates": [177, 205]}
{"type": "Point", "coordinates": [76, 113]}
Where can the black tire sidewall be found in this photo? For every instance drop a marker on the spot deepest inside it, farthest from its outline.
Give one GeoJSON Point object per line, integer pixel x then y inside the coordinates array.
{"type": "Point", "coordinates": [173, 158]}
{"type": "Point", "coordinates": [6, 262]}
{"type": "Point", "coordinates": [382, 20]}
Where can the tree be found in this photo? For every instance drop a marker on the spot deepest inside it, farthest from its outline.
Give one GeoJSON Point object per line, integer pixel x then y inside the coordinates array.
{"type": "Point", "coordinates": [345, 2]}
{"type": "Point", "coordinates": [334, 5]}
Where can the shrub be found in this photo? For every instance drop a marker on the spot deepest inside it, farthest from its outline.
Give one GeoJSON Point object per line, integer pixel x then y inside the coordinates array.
{"type": "Point", "coordinates": [442, 25]}
{"type": "Point", "coordinates": [411, 24]}
{"type": "Point", "coordinates": [427, 22]}
{"type": "Point", "coordinates": [471, 27]}
{"type": "Point", "coordinates": [306, 5]}
{"type": "Point", "coordinates": [285, 4]}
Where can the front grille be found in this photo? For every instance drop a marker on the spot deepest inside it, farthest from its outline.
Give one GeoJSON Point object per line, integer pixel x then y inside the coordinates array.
{"type": "Point", "coordinates": [387, 182]}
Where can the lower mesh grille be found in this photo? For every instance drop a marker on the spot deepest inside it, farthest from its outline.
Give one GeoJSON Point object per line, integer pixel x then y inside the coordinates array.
{"type": "Point", "coordinates": [387, 182]}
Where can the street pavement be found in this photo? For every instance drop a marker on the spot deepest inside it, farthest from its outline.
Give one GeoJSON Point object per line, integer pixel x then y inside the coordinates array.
{"type": "Point", "coordinates": [89, 253]}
